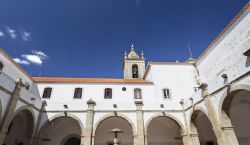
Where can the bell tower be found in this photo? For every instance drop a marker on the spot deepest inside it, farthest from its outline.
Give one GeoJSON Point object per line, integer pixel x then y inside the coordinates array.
{"type": "Point", "coordinates": [133, 65]}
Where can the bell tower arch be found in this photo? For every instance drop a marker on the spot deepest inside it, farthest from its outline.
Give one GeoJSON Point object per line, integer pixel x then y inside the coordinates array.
{"type": "Point", "coordinates": [133, 65]}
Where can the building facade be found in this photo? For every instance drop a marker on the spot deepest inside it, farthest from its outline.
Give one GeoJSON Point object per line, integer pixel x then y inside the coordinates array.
{"type": "Point", "coordinates": [202, 102]}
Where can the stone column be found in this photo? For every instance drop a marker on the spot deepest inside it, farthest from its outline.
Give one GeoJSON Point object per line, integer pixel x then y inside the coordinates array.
{"type": "Point", "coordinates": [8, 115]}
{"type": "Point", "coordinates": [223, 138]}
{"type": "Point", "coordinates": [186, 139]}
{"type": "Point", "coordinates": [140, 123]}
{"type": "Point", "coordinates": [35, 137]}
{"type": "Point", "coordinates": [87, 140]}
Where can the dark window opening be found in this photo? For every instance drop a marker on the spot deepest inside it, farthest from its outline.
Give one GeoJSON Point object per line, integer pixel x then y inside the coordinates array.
{"type": "Point", "coordinates": [108, 93]}
{"type": "Point", "coordinates": [47, 92]}
{"type": "Point", "coordinates": [166, 93]}
{"type": "Point", "coordinates": [135, 71]}
{"type": "Point", "coordinates": [78, 93]}
{"type": "Point", "coordinates": [1, 66]}
{"type": "Point", "coordinates": [137, 93]}
{"type": "Point", "coordinates": [27, 86]}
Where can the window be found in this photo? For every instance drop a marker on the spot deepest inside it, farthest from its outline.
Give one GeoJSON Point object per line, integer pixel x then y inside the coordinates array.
{"type": "Point", "coordinates": [47, 92]}
{"type": "Point", "coordinates": [135, 71]}
{"type": "Point", "coordinates": [1, 66]}
{"type": "Point", "coordinates": [108, 93]}
{"type": "Point", "coordinates": [137, 93]}
{"type": "Point", "coordinates": [27, 86]}
{"type": "Point", "coordinates": [166, 93]}
{"type": "Point", "coordinates": [78, 93]}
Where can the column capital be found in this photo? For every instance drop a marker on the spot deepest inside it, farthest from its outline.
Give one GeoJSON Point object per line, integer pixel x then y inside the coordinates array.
{"type": "Point", "coordinates": [203, 86]}
{"type": "Point", "coordinates": [19, 83]}
{"type": "Point", "coordinates": [91, 102]}
{"type": "Point", "coordinates": [204, 89]}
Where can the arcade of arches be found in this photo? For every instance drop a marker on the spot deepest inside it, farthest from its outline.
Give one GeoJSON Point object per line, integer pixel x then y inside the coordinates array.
{"type": "Point", "coordinates": [160, 130]}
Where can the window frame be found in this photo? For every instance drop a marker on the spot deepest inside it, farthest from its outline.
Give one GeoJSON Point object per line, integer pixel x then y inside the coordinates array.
{"type": "Point", "coordinates": [105, 93]}
{"type": "Point", "coordinates": [43, 96]}
{"type": "Point", "coordinates": [75, 93]}
{"type": "Point", "coordinates": [140, 93]}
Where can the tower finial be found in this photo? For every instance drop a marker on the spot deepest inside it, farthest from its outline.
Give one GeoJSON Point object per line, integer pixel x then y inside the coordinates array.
{"type": "Point", "coordinates": [132, 47]}
{"type": "Point", "coordinates": [142, 54]}
{"type": "Point", "coordinates": [125, 55]}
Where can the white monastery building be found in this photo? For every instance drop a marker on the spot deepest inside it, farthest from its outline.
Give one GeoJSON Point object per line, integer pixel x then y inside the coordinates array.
{"type": "Point", "coordinates": [197, 102]}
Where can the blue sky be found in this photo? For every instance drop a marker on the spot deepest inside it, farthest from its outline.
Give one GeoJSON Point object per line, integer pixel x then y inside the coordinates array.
{"type": "Point", "coordinates": [87, 38]}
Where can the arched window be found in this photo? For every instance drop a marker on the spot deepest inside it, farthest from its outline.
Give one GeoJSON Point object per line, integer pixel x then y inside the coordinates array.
{"type": "Point", "coordinates": [47, 92]}
{"type": "Point", "coordinates": [166, 93]}
{"type": "Point", "coordinates": [1, 66]}
{"type": "Point", "coordinates": [78, 93]}
{"type": "Point", "coordinates": [135, 71]}
{"type": "Point", "coordinates": [108, 93]}
{"type": "Point", "coordinates": [137, 93]}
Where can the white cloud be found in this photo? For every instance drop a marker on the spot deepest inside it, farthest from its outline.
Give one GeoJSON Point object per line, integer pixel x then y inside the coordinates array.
{"type": "Point", "coordinates": [40, 53]}
{"type": "Point", "coordinates": [36, 57]}
{"type": "Point", "coordinates": [21, 61]}
{"type": "Point", "coordinates": [1, 34]}
{"type": "Point", "coordinates": [11, 32]}
{"type": "Point", "coordinates": [33, 58]}
{"type": "Point", "coordinates": [26, 36]}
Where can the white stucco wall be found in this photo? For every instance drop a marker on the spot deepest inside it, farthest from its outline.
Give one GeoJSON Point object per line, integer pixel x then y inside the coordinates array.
{"type": "Point", "coordinates": [226, 56]}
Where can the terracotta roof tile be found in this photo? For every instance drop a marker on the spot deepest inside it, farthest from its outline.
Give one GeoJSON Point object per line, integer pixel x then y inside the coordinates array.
{"type": "Point", "coordinates": [89, 80]}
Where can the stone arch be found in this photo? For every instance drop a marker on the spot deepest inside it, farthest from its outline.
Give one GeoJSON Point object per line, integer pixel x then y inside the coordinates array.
{"type": "Point", "coordinates": [62, 115]}
{"type": "Point", "coordinates": [175, 119]}
{"type": "Point", "coordinates": [28, 108]}
{"type": "Point", "coordinates": [70, 117]}
{"type": "Point", "coordinates": [164, 128]}
{"type": "Point", "coordinates": [232, 109]}
{"type": "Point", "coordinates": [124, 117]}
{"type": "Point", "coordinates": [201, 127]}
{"type": "Point", "coordinates": [68, 137]}
{"type": "Point", "coordinates": [193, 114]}
{"type": "Point", "coordinates": [23, 124]}
{"type": "Point", "coordinates": [227, 97]}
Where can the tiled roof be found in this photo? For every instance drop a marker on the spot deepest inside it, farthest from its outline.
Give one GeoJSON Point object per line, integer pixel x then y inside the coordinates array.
{"type": "Point", "coordinates": [89, 80]}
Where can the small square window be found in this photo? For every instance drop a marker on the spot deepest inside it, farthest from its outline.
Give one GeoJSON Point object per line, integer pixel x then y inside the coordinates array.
{"type": "Point", "coordinates": [166, 94]}
{"type": "Point", "coordinates": [137, 93]}
{"type": "Point", "coordinates": [47, 92]}
{"type": "Point", "coordinates": [108, 93]}
{"type": "Point", "coordinates": [78, 93]}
